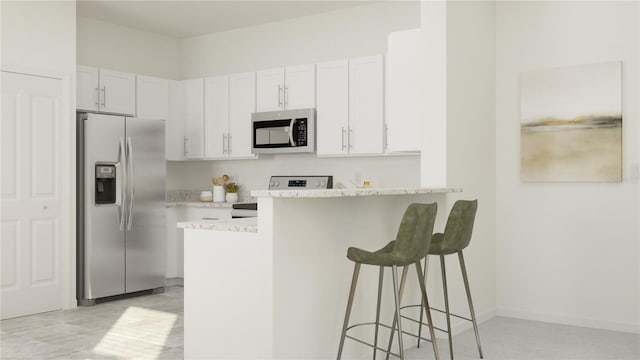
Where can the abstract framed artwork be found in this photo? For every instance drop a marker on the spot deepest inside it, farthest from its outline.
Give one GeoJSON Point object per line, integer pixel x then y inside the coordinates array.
{"type": "Point", "coordinates": [571, 124]}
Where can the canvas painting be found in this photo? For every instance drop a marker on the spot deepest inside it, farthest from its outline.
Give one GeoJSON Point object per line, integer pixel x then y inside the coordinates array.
{"type": "Point", "coordinates": [571, 123]}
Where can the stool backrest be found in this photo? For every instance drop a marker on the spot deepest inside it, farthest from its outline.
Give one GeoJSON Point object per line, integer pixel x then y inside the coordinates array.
{"type": "Point", "coordinates": [415, 232]}
{"type": "Point", "coordinates": [457, 232]}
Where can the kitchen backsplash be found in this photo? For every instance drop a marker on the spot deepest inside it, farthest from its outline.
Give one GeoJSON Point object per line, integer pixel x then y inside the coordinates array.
{"type": "Point", "coordinates": [194, 196]}
{"type": "Point", "coordinates": [383, 171]}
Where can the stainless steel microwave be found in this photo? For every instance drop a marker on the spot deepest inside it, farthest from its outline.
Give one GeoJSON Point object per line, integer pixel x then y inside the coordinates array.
{"type": "Point", "coordinates": [288, 131]}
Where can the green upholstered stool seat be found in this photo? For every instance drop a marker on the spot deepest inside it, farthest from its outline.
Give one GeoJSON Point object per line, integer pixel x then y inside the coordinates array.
{"type": "Point", "coordinates": [409, 247]}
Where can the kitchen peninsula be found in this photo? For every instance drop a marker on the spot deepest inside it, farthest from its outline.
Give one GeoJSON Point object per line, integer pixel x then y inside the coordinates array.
{"type": "Point", "coordinates": [277, 286]}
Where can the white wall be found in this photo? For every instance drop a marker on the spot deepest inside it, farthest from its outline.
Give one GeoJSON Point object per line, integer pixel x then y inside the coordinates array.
{"type": "Point", "coordinates": [566, 252]}
{"type": "Point", "coordinates": [255, 174]}
{"type": "Point", "coordinates": [39, 38]}
{"type": "Point", "coordinates": [111, 46]}
{"type": "Point", "coordinates": [351, 32]}
{"type": "Point", "coordinates": [39, 35]}
{"type": "Point", "coordinates": [470, 150]}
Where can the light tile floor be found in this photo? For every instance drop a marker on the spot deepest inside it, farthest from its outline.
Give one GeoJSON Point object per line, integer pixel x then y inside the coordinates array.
{"type": "Point", "coordinates": [145, 327]}
{"type": "Point", "coordinates": [151, 327]}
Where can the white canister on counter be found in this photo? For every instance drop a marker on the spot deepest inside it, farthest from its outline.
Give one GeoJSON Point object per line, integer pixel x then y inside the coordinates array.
{"type": "Point", "coordinates": [206, 196]}
{"type": "Point", "coordinates": [218, 193]}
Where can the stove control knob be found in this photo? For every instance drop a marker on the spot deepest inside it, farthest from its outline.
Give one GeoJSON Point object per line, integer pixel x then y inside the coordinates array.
{"type": "Point", "coordinates": [323, 184]}
{"type": "Point", "coordinates": [316, 183]}
{"type": "Point", "coordinates": [274, 184]}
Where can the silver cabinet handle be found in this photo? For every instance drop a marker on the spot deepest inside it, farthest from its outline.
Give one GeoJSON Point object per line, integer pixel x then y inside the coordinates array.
{"type": "Point", "coordinates": [98, 96]}
{"type": "Point", "coordinates": [224, 143]}
{"type": "Point", "coordinates": [386, 136]}
{"type": "Point", "coordinates": [349, 138]}
{"type": "Point", "coordinates": [344, 132]}
{"type": "Point", "coordinates": [286, 96]}
{"type": "Point", "coordinates": [104, 96]}
{"type": "Point", "coordinates": [279, 95]}
{"type": "Point", "coordinates": [132, 182]}
{"type": "Point", "coordinates": [186, 145]}
{"type": "Point", "coordinates": [121, 159]}
{"type": "Point", "coordinates": [229, 148]}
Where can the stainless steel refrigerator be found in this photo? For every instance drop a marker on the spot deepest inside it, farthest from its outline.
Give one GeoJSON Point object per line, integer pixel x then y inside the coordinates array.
{"type": "Point", "coordinates": [121, 219]}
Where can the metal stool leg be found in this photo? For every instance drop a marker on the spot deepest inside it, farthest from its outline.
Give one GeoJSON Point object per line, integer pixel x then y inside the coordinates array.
{"type": "Point", "coordinates": [403, 281]}
{"type": "Point", "coordinates": [423, 289]}
{"type": "Point", "coordinates": [426, 265]}
{"type": "Point", "coordinates": [446, 303]}
{"type": "Point", "coordinates": [354, 281]}
{"type": "Point", "coordinates": [473, 313]}
{"type": "Point", "coordinates": [375, 339]}
{"type": "Point", "coordinates": [396, 295]}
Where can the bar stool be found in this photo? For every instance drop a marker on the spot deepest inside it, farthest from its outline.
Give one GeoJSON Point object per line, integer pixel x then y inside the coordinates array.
{"type": "Point", "coordinates": [411, 245]}
{"type": "Point", "coordinates": [456, 237]}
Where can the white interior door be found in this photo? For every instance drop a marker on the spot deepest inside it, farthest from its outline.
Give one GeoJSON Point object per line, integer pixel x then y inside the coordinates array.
{"type": "Point", "coordinates": [31, 210]}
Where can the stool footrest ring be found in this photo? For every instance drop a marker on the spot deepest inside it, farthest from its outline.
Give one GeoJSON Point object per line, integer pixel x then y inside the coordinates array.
{"type": "Point", "coordinates": [438, 310]}
{"type": "Point", "coordinates": [385, 326]}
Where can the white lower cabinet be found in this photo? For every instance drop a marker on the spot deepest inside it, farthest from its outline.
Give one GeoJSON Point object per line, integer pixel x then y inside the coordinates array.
{"type": "Point", "coordinates": [175, 236]}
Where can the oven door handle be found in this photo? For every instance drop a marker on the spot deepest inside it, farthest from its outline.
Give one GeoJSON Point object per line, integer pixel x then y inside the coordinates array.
{"type": "Point", "coordinates": [291, 132]}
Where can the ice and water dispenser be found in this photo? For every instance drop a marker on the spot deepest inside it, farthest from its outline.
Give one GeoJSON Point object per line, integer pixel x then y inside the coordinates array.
{"type": "Point", "coordinates": [105, 191]}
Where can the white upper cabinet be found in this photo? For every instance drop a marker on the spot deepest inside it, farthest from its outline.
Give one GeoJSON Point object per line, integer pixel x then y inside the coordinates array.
{"type": "Point", "coordinates": [350, 107]}
{"type": "Point", "coordinates": [292, 87]}
{"type": "Point", "coordinates": [152, 97]}
{"type": "Point", "coordinates": [404, 117]}
{"type": "Point", "coordinates": [88, 97]}
{"type": "Point", "coordinates": [270, 90]}
{"type": "Point", "coordinates": [229, 102]}
{"type": "Point", "coordinates": [332, 110]}
{"type": "Point", "coordinates": [105, 91]}
{"type": "Point", "coordinates": [216, 116]}
{"type": "Point", "coordinates": [194, 100]}
{"type": "Point", "coordinates": [366, 105]}
{"type": "Point", "coordinates": [176, 143]}
{"type": "Point", "coordinates": [118, 92]}
{"type": "Point", "coordinates": [300, 87]}
{"type": "Point", "coordinates": [242, 103]}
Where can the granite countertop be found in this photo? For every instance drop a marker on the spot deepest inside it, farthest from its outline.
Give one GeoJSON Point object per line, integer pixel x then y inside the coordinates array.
{"type": "Point", "coordinates": [202, 204]}
{"type": "Point", "coordinates": [239, 225]}
{"type": "Point", "coordinates": [334, 193]}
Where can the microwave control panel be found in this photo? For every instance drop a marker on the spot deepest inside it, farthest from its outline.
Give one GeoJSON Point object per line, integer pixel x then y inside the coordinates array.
{"type": "Point", "coordinates": [300, 132]}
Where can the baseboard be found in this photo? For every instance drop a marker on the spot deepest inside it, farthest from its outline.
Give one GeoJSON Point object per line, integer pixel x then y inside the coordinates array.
{"type": "Point", "coordinates": [566, 320]}
{"type": "Point", "coordinates": [459, 326]}
{"type": "Point", "coordinates": [176, 281]}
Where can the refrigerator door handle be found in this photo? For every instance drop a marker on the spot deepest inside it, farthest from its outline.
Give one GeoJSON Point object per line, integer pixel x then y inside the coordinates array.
{"type": "Point", "coordinates": [131, 183]}
{"type": "Point", "coordinates": [121, 181]}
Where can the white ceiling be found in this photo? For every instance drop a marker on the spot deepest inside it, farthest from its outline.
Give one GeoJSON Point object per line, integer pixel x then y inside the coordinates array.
{"type": "Point", "coordinates": [184, 18]}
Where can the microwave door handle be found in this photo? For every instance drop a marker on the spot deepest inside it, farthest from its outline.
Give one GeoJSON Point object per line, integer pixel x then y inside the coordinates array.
{"type": "Point", "coordinates": [291, 132]}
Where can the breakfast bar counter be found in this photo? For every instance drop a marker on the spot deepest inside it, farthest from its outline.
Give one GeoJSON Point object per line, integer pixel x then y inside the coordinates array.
{"type": "Point", "coordinates": [280, 292]}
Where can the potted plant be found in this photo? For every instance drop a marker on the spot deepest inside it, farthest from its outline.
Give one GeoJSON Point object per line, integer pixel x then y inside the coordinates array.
{"type": "Point", "coordinates": [232, 191]}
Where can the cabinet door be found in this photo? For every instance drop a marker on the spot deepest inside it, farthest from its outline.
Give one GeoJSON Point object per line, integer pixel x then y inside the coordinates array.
{"type": "Point", "coordinates": [194, 93]}
{"type": "Point", "coordinates": [270, 90]}
{"type": "Point", "coordinates": [300, 87]}
{"type": "Point", "coordinates": [87, 97]}
{"type": "Point", "coordinates": [242, 104]}
{"type": "Point", "coordinates": [176, 124]}
{"type": "Point", "coordinates": [403, 91]}
{"type": "Point", "coordinates": [332, 111]}
{"type": "Point", "coordinates": [216, 116]}
{"type": "Point", "coordinates": [118, 90]}
{"type": "Point", "coordinates": [152, 97]}
{"type": "Point", "coordinates": [366, 97]}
